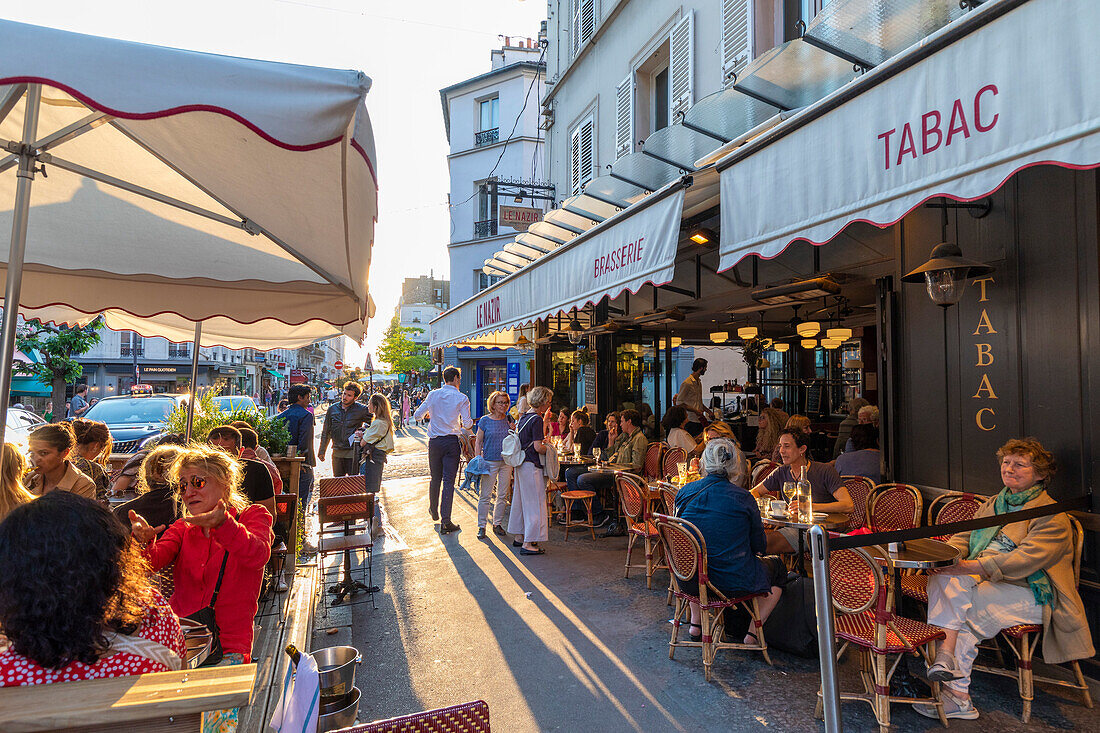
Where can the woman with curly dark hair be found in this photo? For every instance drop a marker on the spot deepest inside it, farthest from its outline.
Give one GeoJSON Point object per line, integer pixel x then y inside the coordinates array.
{"type": "Point", "coordinates": [92, 452]}
{"type": "Point", "coordinates": [82, 608]}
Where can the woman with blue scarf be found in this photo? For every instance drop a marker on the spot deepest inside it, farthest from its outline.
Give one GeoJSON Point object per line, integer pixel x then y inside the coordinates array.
{"type": "Point", "coordinates": [1019, 573]}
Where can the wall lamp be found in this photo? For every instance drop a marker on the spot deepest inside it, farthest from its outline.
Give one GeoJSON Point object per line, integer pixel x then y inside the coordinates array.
{"type": "Point", "coordinates": [945, 274]}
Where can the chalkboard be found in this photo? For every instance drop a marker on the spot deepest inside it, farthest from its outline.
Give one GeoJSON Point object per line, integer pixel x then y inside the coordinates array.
{"type": "Point", "coordinates": [813, 399]}
{"type": "Point", "coordinates": [590, 384]}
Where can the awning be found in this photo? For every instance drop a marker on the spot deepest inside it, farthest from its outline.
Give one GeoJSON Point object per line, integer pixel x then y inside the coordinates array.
{"type": "Point", "coordinates": [24, 384]}
{"type": "Point", "coordinates": [274, 373]}
{"type": "Point", "coordinates": [633, 248]}
{"type": "Point", "coordinates": [1010, 85]}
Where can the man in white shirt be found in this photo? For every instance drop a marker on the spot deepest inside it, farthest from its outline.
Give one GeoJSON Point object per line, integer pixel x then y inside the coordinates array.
{"type": "Point", "coordinates": [449, 411]}
{"type": "Point", "coordinates": [691, 397]}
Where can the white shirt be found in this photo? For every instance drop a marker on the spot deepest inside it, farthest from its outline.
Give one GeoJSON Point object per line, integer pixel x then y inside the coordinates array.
{"type": "Point", "coordinates": [680, 438]}
{"type": "Point", "coordinates": [449, 409]}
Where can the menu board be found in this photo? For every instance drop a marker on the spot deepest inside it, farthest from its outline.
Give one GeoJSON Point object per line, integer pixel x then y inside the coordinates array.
{"type": "Point", "coordinates": [813, 399]}
{"type": "Point", "coordinates": [590, 384]}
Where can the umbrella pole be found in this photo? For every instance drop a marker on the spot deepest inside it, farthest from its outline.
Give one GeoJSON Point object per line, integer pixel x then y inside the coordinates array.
{"type": "Point", "coordinates": [194, 378]}
{"type": "Point", "coordinates": [20, 215]}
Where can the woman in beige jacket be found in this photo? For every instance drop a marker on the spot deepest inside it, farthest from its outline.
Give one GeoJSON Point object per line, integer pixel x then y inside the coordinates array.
{"type": "Point", "coordinates": [1020, 573]}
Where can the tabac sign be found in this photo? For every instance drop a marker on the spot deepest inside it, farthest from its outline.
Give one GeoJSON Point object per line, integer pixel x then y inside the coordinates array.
{"type": "Point", "coordinates": [518, 217]}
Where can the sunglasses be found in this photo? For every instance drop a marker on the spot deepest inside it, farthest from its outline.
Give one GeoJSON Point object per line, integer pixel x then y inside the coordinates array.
{"type": "Point", "coordinates": [197, 482]}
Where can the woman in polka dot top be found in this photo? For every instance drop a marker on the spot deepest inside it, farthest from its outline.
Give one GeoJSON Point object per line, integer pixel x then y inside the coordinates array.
{"type": "Point", "coordinates": [75, 598]}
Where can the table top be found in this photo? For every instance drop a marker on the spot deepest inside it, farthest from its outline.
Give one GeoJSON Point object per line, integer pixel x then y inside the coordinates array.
{"type": "Point", "coordinates": [584, 461]}
{"type": "Point", "coordinates": [919, 554]}
{"type": "Point", "coordinates": [831, 521]}
{"type": "Point", "coordinates": [612, 467]}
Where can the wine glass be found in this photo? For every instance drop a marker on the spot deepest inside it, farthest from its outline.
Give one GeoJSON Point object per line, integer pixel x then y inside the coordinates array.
{"type": "Point", "coordinates": [596, 454]}
{"type": "Point", "coordinates": [577, 452]}
{"type": "Point", "coordinates": [790, 492]}
{"type": "Point", "coordinates": [682, 471]}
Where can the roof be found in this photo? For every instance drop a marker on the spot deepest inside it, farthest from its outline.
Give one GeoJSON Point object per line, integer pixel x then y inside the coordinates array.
{"type": "Point", "coordinates": [539, 67]}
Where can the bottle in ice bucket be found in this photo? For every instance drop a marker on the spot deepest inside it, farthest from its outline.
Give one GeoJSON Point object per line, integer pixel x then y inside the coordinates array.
{"type": "Point", "coordinates": [805, 501]}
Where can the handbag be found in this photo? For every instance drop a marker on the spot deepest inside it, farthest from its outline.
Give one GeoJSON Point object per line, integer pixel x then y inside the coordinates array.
{"type": "Point", "coordinates": [511, 450]}
{"type": "Point", "coordinates": [205, 616]}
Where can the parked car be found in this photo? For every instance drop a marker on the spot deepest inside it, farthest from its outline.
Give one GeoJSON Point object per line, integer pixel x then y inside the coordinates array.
{"type": "Point", "coordinates": [19, 424]}
{"type": "Point", "coordinates": [135, 421]}
{"type": "Point", "coordinates": [235, 403]}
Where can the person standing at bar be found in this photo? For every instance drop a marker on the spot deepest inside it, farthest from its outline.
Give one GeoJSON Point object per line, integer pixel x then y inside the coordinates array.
{"type": "Point", "coordinates": [691, 397]}
{"type": "Point", "coordinates": [449, 411]}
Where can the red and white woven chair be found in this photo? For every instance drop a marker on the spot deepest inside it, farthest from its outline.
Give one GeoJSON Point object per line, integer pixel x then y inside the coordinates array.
{"type": "Point", "coordinates": [470, 717]}
{"type": "Point", "coordinates": [651, 468]}
{"type": "Point", "coordinates": [635, 505]}
{"type": "Point", "coordinates": [1023, 639]}
{"type": "Point", "coordinates": [668, 462]}
{"type": "Point", "coordinates": [763, 469]}
{"type": "Point", "coordinates": [686, 551]}
{"type": "Point", "coordinates": [894, 506]}
{"type": "Point", "coordinates": [859, 488]}
{"type": "Point", "coordinates": [554, 487]}
{"type": "Point", "coordinates": [943, 510]}
{"type": "Point", "coordinates": [864, 620]}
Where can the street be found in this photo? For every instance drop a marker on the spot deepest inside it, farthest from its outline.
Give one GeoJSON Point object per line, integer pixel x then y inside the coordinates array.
{"type": "Point", "coordinates": [565, 642]}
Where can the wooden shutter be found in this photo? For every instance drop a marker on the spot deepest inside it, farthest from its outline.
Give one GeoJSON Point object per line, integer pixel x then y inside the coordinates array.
{"type": "Point", "coordinates": [737, 27]}
{"type": "Point", "coordinates": [681, 51]}
{"type": "Point", "coordinates": [624, 116]}
{"type": "Point", "coordinates": [582, 154]}
{"type": "Point", "coordinates": [583, 23]}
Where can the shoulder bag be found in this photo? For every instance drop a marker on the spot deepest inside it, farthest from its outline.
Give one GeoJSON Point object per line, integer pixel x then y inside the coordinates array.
{"type": "Point", "coordinates": [205, 616]}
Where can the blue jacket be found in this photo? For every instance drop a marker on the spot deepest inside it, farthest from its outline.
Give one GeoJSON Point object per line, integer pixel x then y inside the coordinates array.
{"type": "Point", "coordinates": [299, 421]}
{"type": "Point", "coordinates": [729, 519]}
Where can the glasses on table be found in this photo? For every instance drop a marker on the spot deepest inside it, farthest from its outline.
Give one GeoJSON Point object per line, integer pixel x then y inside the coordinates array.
{"type": "Point", "coordinates": [682, 471]}
{"type": "Point", "coordinates": [596, 453]}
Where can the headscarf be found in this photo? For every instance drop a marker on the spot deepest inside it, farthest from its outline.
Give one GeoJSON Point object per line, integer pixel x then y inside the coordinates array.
{"type": "Point", "coordinates": [722, 457]}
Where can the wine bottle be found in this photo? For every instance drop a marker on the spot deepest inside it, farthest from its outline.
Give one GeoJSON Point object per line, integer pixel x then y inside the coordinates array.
{"type": "Point", "coordinates": [805, 496]}
{"type": "Point", "coordinates": [295, 655]}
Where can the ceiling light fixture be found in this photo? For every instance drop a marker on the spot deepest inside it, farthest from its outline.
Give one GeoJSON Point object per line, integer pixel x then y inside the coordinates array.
{"type": "Point", "coordinates": [780, 347]}
{"type": "Point", "coordinates": [796, 292]}
{"type": "Point", "coordinates": [746, 333]}
{"type": "Point", "coordinates": [841, 334]}
{"type": "Point", "coordinates": [676, 341]}
{"type": "Point", "coordinates": [809, 343]}
{"type": "Point", "coordinates": [808, 329]}
{"type": "Point", "coordinates": [720, 337]}
{"type": "Point", "coordinates": [702, 235]}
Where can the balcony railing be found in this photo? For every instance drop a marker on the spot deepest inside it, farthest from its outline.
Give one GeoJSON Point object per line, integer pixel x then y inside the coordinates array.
{"type": "Point", "coordinates": [485, 228]}
{"type": "Point", "coordinates": [486, 137]}
{"type": "Point", "coordinates": [180, 353]}
{"type": "Point", "coordinates": [131, 351]}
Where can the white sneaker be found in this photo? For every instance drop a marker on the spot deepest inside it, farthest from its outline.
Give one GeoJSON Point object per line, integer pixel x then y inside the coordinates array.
{"type": "Point", "coordinates": [281, 586]}
{"type": "Point", "coordinates": [944, 668]}
{"type": "Point", "coordinates": [953, 708]}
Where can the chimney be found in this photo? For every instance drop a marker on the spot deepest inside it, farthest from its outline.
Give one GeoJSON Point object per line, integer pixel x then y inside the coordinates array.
{"type": "Point", "coordinates": [507, 41]}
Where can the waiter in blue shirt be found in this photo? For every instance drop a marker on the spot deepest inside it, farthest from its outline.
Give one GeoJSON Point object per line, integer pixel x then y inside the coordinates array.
{"type": "Point", "coordinates": [449, 410]}
{"type": "Point", "coordinates": [299, 422]}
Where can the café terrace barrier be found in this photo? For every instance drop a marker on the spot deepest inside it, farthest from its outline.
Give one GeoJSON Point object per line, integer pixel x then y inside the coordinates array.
{"type": "Point", "coordinates": [821, 545]}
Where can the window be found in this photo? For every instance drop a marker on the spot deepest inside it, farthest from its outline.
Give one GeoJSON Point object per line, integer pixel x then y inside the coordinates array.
{"type": "Point", "coordinates": [486, 224]}
{"type": "Point", "coordinates": [132, 344]}
{"type": "Point", "coordinates": [488, 122]}
{"type": "Point", "coordinates": [485, 281]}
{"type": "Point", "coordinates": [624, 116]}
{"type": "Point", "coordinates": [584, 23]}
{"type": "Point", "coordinates": [737, 41]}
{"type": "Point", "coordinates": [179, 351]}
{"type": "Point", "coordinates": [582, 154]}
{"type": "Point", "coordinates": [681, 78]}
{"type": "Point", "coordinates": [660, 100]}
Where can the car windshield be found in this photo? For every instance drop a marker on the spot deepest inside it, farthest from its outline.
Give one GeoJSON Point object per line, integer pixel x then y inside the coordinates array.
{"type": "Point", "coordinates": [232, 403]}
{"type": "Point", "coordinates": [131, 410]}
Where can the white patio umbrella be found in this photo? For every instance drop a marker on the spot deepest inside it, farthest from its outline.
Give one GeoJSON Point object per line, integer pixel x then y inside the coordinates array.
{"type": "Point", "coordinates": [174, 189]}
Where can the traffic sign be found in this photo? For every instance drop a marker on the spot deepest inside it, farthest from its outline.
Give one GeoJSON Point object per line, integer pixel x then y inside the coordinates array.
{"type": "Point", "coordinates": [338, 365]}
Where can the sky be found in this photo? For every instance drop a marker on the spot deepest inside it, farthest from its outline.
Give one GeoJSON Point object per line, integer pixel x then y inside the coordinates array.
{"type": "Point", "coordinates": [410, 50]}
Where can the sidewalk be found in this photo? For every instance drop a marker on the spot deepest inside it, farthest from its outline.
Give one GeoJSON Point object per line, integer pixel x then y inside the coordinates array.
{"type": "Point", "coordinates": [564, 642]}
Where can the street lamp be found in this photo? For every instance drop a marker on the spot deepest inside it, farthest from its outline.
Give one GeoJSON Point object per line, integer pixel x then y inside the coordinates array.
{"type": "Point", "coordinates": [945, 274]}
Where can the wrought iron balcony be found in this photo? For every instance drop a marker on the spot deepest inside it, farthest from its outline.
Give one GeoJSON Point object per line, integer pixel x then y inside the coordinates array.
{"type": "Point", "coordinates": [131, 351]}
{"type": "Point", "coordinates": [486, 137]}
{"type": "Point", "coordinates": [181, 352]}
{"type": "Point", "coordinates": [485, 228]}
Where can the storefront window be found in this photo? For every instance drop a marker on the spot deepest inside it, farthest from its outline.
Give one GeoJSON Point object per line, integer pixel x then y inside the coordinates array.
{"type": "Point", "coordinates": [564, 371]}
{"type": "Point", "coordinates": [635, 374]}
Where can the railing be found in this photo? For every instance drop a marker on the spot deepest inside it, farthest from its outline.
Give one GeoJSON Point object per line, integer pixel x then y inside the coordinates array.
{"type": "Point", "coordinates": [131, 351]}
{"type": "Point", "coordinates": [486, 137]}
{"type": "Point", "coordinates": [182, 353]}
{"type": "Point", "coordinates": [485, 228]}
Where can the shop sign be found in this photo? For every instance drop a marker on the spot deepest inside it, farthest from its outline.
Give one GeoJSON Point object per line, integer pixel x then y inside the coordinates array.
{"type": "Point", "coordinates": [513, 381]}
{"type": "Point", "coordinates": [518, 217]}
{"type": "Point", "coordinates": [296, 376]}
{"type": "Point", "coordinates": [488, 312]}
{"type": "Point", "coordinates": [985, 396]}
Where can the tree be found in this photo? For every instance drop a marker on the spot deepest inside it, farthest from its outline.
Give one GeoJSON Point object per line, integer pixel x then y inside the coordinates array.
{"type": "Point", "coordinates": [56, 346]}
{"type": "Point", "coordinates": [401, 352]}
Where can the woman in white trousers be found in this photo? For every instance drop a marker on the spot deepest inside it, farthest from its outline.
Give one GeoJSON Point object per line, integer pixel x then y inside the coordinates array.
{"type": "Point", "coordinates": [527, 519]}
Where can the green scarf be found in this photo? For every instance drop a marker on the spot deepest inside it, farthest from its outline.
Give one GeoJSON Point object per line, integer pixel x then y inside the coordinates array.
{"type": "Point", "coordinates": [980, 538]}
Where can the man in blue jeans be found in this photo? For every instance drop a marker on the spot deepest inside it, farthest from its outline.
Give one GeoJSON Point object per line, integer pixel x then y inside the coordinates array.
{"type": "Point", "coordinates": [299, 422]}
{"type": "Point", "coordinates": [449, 411]}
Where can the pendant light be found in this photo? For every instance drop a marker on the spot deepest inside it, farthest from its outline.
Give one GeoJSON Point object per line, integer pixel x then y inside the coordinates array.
{"type": "Point", "coordinates": [720, 337]}
{"type": "Point", "coordinates": [746, 333]}
{"type": "Point", "coordinates": [808, 329]}
{"type": "Point", "coordinates": [839, 334]}
{"type": "Point", "coordinates": [809, 343]}
{"type": "Point", "coordinates": [829, 343]}
{"type": "Point", "coordinates": [780, 347]}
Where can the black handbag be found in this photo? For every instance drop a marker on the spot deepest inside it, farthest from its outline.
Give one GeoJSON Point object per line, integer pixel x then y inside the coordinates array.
{"type": "Point", "coordinates": [205, 616]}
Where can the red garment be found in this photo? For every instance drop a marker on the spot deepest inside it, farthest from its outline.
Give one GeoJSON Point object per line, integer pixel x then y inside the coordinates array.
{"type": "Point", "coordinates": [159, 624]}
{"type": "Point", "coordinates": [247, 538]}
{"type": "Point", "coordinates": [276, 479]}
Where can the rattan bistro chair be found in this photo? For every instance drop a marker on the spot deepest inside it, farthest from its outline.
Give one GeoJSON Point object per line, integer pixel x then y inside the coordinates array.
{"type": "Point", "coordinates": [470, 717]}
{"type": "Point", "coordinates": [651, 467]}
{"type": "Point", "coordinates": [632, 496]}
{"type": "Point", "coordinates": [859, 488]}
{"type": "Point", "coordinates": [686, 551]}
{"type": "Point", "coordinates": [894, 506]}
{"type": "Point", "coordinates": [1023, 639]}
{"type": "Point", "coordinates": [865, 620]}
{"type": "Point", "coordinates": [953, 508]}
{"type": "Point", "coordinates": [668, 463]}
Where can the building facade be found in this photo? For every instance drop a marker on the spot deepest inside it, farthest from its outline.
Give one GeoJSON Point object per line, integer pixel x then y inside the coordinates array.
{"type": "Point", "coordinates": [422, 299]}
{"type": "Point", "coordinates": [497, 188]}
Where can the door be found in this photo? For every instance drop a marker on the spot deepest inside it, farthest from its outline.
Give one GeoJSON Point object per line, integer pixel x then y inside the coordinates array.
{"type": "Point", "coordinates": [491, 377]}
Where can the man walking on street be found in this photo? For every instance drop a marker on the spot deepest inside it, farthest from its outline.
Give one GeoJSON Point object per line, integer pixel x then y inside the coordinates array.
{"type": "Point", "coordinates": [341, 421]}
{"type": "Point", "coordinates": [79, 403]}
{"type": "Point", "coordinates": [690, 398]}
{"type": "Point", "coordinates": [299, 422]}
{"type": "Point", "coordinates": [449, 410]}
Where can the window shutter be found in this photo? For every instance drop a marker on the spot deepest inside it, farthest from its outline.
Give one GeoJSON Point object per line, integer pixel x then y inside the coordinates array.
{"type": "Point", "coordinates": [681, 49]}
{"type": "Point", "coordinates": [582, 154]}
{"type": "Point", "coordinates": [584, 22]}
{"type": "Point", "coordinates": [737, 26]}
{"type": "Point", "coordinates": [624, 116]}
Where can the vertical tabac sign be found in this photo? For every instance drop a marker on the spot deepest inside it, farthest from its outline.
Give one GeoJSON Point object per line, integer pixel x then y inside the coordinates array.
{"type": "Point", "coordinates": [984, 396]}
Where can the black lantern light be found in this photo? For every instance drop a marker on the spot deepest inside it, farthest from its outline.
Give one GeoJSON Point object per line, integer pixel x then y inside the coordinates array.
{"type": "Point", "coordinates": [945, 274]}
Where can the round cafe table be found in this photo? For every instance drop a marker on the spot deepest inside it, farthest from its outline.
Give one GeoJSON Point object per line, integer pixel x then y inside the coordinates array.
{"type": "Point", "coordinates": [611, 467]}
{"type": "Point", "coordinates": [829, 521]}
{"type": "Point", "coordinates": [922, 554]}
